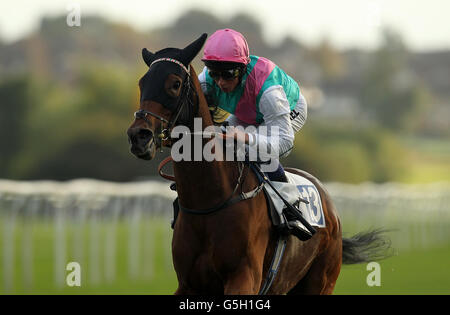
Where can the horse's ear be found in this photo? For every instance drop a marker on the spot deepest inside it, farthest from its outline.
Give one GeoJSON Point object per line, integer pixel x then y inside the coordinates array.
{"type": "Point", "coordinates": [190, 51]}
{"type": "Point", "coordinates": [147, 56]}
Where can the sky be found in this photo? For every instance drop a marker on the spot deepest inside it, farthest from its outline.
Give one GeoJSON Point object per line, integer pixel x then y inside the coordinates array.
{"type": "Point", "coordinates": [424, 24]}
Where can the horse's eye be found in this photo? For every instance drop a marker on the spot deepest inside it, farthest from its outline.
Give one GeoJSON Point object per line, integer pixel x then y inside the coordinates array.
{"type": "Point", "coordinates": [173, 85]}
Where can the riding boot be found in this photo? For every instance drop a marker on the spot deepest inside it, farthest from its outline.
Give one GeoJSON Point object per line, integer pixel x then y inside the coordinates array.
{"type": "Point", "coordinates": [294, 225]}
{"type": "Point", "coordinates": [299, 230]}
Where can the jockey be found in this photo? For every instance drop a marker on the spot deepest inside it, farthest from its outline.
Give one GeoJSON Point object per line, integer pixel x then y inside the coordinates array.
{"type": "Point", "coordinates": [255, 92]}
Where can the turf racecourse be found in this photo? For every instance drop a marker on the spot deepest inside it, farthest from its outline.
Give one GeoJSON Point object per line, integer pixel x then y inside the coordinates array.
{"type": "Point", "coordinates": [113, 268]}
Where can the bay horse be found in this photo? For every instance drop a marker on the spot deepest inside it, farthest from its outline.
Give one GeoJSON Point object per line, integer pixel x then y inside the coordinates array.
{"type": "Point", "coordinates": [229, 251]}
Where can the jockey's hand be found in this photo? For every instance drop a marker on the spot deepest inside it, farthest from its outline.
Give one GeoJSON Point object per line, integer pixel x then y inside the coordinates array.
{"type": "Point", "coordinates": [236, 134]}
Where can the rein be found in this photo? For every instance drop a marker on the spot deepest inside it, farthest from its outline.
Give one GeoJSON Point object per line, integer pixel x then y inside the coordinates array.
{"type": "Point", "coordinates": [160, 167]}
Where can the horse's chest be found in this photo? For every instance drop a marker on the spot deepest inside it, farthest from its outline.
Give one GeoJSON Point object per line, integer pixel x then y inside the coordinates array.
{"type": "Point", "coordinates": [198, 272]}
{"type": "Point", "coordinates": [203, 261]}
{"type": "Point", "coordinates": [203, 268]}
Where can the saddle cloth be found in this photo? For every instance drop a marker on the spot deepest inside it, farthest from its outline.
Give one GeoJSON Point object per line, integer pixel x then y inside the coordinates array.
{"type": "Point", "coordinates": [298, 187]}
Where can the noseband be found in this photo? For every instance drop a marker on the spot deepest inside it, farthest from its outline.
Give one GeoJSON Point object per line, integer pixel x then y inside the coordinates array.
{"type": "Point", "coordinates": [183, 100]}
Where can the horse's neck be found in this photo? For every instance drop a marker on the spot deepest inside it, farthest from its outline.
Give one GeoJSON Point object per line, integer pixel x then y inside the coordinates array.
{"type": "Point", "coordinates": [203, 110]}
{"type": "Point", "coordinates": [197, 180]}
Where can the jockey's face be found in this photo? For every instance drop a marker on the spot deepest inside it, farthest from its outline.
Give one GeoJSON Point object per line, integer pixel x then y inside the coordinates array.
{"type": "Point", "coordinates": [227, 85]}
{"type": "Point", "coordinates": [226, 79]}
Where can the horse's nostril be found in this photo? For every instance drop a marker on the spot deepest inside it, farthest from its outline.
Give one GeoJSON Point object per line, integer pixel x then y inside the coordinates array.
{"type": "Point", "coordinates": [138, 136]}
{"type": "Point", "coordinates": [144, 134]}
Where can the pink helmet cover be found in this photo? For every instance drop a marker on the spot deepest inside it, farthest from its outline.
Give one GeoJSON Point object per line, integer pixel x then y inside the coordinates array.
{"type": "Point", "coordinates": [226, 45]}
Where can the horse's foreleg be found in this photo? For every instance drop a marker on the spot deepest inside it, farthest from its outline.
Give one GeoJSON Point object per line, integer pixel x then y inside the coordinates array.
{"type": "Point", "coordinates": [243, 281]}
{"type": "Point", "coordinates": [181, 291]}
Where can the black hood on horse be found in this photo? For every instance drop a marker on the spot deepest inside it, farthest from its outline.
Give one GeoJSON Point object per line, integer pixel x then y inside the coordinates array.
{"type": "Point", "coordinates": [158, 72]}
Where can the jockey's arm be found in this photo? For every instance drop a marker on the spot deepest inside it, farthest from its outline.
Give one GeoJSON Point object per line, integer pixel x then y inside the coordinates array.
{"type": "Point", "coordinates": [276, 112]}
{"type": "Point", "coordinates": [276, 132]}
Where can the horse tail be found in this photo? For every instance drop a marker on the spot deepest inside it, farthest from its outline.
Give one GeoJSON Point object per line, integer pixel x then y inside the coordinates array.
{"type": "Point", "coordinates": [367, 246]}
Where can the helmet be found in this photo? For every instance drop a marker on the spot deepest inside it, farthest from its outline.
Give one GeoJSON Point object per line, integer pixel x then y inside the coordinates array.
{"type": "Point", "coordinates": [226, 45]}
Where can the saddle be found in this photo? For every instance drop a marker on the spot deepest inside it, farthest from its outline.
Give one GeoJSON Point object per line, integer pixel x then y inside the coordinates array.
{"type": "Point", "coordinates": [299, 192]}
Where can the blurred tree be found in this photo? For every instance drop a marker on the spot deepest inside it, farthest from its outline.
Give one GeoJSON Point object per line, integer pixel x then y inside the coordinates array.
{"type": "Point", "coordinates": [391, 93]}
{"type": "Point", "coordinates": [80, 130]}
{"type": "Point", "coordinates": [252, 31]}
{"type": "Point", "coordinates": [246, 23]}
{"type": "Point", "coordinates": [342, 153]}
{"type": "Point", "coordinates": [191, 25]}
{"type": "Point", "coordinates": [330, 60]}
{"type": "Point", "coordinates": [16, 101]}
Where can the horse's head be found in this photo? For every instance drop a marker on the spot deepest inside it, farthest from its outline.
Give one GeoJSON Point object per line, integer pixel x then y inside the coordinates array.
{"type": "Point", "coordinates": [165, 98]}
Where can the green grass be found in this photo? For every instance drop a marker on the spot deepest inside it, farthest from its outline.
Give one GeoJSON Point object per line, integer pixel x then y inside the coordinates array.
{"type": "Point", "coordinates": [413, 271]}
{"type": "Point", "coordinates": [423, 271]}
{"type": "Point", "coordinates": [154, 273]}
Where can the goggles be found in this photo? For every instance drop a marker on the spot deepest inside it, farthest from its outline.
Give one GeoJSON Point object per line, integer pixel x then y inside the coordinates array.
{"type": "Point", "coordinates": [224, 74]}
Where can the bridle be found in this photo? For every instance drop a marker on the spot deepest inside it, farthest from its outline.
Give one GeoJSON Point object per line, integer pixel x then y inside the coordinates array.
{"type": "Point", "coordinates": [183, 100]}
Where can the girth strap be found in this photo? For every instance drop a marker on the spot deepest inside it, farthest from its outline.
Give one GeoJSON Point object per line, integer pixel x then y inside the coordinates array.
{"type": "Point", "coordinates": [275, 265]}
